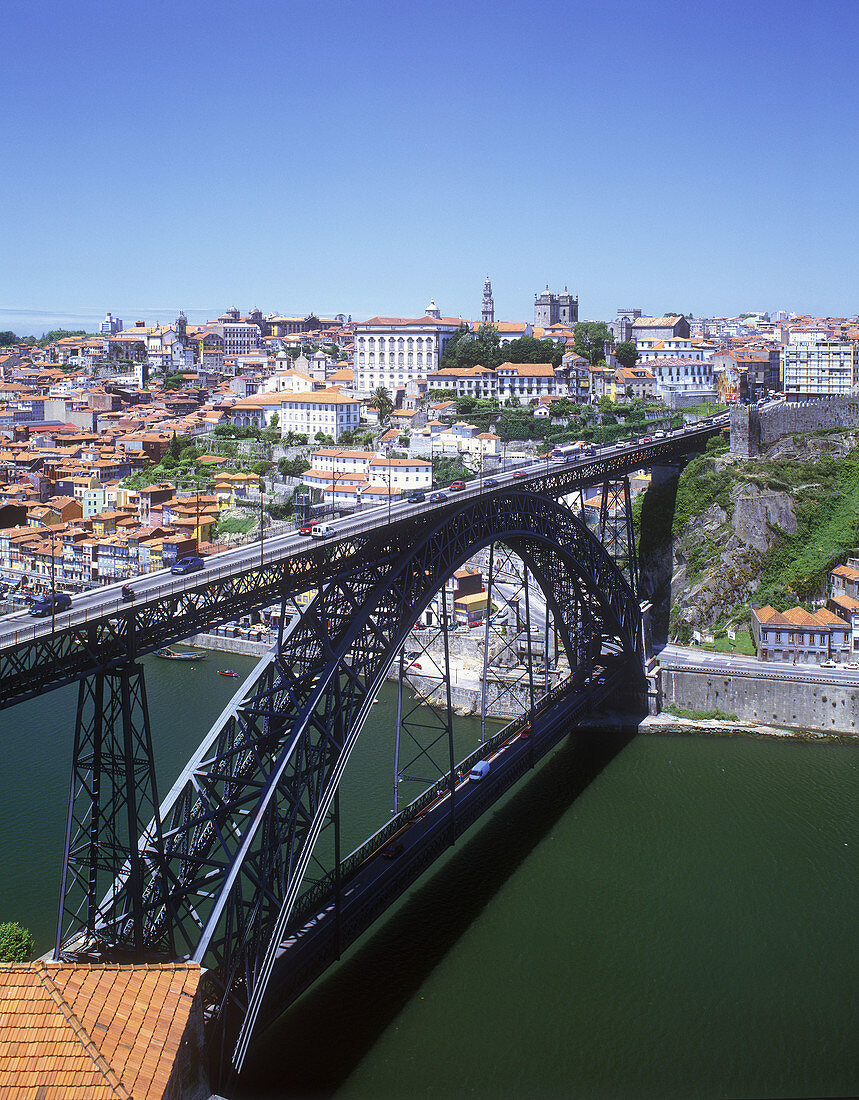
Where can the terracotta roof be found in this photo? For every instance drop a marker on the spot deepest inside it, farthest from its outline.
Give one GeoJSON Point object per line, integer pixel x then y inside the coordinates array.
{"type": "Point", "coordinates": [655, 322]}
{"type": "Point", "coordinates": [87, 1032]}
{"type": "Point", "coordinates": [796, 616]}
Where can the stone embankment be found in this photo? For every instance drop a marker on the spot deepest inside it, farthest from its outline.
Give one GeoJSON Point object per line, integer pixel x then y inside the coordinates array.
{"type": "Point", "coordinates": [769, 697]}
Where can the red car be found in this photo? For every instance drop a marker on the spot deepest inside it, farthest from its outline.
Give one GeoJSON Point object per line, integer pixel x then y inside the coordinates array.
{"type": "Point", "coordinates": [519, 473]}
{"type": "Point", "coordinates": [305, 529]}
{"type": "Point", "coordinates": [455, 486]}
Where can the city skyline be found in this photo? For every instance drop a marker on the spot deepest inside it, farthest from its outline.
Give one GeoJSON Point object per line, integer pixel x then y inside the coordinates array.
{"type": "Point", "coordinates": [366, 159]}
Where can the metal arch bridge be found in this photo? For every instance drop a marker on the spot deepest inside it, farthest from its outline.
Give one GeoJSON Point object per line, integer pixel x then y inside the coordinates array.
{"type": "Point", "coordinates": [214, 872]}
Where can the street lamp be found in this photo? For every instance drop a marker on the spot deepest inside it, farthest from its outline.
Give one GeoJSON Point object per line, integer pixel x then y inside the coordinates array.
{"type": "Point", "coordinates": [261, 518]}
{"type": "Point", "coordinates": [50, 529]}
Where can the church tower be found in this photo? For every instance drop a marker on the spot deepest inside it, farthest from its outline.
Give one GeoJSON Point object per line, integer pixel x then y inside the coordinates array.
{"type": "Point", "coordinates": [487, 315]}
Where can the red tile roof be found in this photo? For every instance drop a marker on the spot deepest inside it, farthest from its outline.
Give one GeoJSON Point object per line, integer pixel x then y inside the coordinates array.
{"type": "Point", "coordinates": [87, 1032]}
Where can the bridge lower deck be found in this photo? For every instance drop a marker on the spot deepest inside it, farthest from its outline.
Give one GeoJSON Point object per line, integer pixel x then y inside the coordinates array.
{"type": "Point", "coordinates": [320, 934]}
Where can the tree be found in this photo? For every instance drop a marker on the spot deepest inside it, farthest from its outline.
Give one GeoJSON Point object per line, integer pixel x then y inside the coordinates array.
{"type": "Point", "coordinates": [382, 401]}
{"type": "Point", "coordinates": [16, 943]}
{"type": "Point", "coordinates": [562, 407]}
{"type": "Point", "coordinates": [591, 338]}
{"type": "Point", "coordinates": [626, 353]}
{"type": "Point", "coordinates": [275, 420]}
{"type": "Point", "coordinates": [528, 349]}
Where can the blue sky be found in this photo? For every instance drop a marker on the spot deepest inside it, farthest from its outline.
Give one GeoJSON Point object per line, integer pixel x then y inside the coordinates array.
{"type": "Point", "coordinates": [364, 157]}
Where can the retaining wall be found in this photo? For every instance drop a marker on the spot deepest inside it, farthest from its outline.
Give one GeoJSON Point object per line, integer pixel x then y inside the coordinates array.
{"type": "Point", "coordinates": [758, 697]}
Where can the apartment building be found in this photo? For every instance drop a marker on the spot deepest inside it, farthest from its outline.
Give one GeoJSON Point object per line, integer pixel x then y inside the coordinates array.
{"type": "Point", "coordinates": [825, 368]}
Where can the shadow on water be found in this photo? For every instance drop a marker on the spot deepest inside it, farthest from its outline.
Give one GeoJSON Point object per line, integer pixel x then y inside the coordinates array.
{"type": "Point", "coordinates": [314, 1047]}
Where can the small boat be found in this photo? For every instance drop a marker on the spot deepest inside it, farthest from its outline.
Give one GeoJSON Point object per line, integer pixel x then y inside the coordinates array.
{"type": "Point", "coordinates": [176, 655]}
{"type": "Point", "coordinates": [228, 672]}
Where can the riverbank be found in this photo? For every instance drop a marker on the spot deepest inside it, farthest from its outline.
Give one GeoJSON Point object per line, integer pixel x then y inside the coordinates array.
{"type": "Point", "coordinates": [670, 724]}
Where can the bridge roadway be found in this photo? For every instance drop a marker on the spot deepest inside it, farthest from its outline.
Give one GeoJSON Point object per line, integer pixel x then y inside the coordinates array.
{"type": "Point", "coordinates": [321, 929]}
{"type": "Point", "coordinates": [134, 628]}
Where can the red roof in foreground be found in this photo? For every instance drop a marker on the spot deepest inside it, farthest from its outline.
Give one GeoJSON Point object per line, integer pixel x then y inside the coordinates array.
{"type": "Point", "coordinates": [91, 1032]}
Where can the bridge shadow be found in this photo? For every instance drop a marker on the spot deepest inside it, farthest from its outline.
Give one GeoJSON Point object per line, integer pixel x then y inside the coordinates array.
{"type": "Point", "coordinates": [314, 1047]}
{"type": "Point", "coordinates": [656, 551]}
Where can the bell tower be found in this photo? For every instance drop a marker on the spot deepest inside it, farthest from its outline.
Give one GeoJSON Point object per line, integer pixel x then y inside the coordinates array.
{"type": "Point", "coordinates": [487, 314]}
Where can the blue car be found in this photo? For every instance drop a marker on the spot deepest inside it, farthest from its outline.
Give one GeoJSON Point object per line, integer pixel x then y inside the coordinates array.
{"type": "Point", "coordinates": [416, 498]}
{"type": "Point", "coordinates": [189, 564]}
{"type": "Point", "coordinates": [52, 603]}
{"type": "Point", "coordinates": [436, 497]}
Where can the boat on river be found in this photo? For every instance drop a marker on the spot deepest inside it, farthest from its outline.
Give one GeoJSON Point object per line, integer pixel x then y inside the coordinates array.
{"type": "Point", "coordinates": [228, 672]}
{"type": "Point", "coordinates": [178, 655]}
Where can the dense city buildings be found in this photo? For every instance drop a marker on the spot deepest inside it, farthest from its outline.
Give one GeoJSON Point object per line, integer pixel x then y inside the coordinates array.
{"type": "Point", "coordinates": [83, 419]}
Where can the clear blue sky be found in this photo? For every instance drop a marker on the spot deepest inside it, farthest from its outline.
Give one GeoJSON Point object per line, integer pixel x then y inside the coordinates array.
{"type": "Point", "coordinates": [363, 157]}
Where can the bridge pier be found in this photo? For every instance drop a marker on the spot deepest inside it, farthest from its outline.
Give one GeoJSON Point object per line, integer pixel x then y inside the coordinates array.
{"type": "Point", "coordinates": [112, 801]}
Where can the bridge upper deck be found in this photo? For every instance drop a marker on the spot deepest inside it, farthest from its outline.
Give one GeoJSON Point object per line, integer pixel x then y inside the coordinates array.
{"type": "Point", "coordinates": [237, 580]}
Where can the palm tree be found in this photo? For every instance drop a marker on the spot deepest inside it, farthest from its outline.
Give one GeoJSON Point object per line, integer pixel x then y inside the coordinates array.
{"type": "Point", "coordinates": [382, 401]}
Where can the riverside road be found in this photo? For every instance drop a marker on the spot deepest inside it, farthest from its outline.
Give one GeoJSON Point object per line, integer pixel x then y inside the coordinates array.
{"type": "Point", "coordinates": [702, 660]}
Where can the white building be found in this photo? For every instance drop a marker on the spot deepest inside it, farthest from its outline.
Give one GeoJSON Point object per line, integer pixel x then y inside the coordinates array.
{"type": "Point", "coordinates": [404, 474]}
{"type": "Point", "coordinates": [326, 411]}
{"type": "Point", "coordinates": [823, 369]}
{"type": "Point", "coordinates": [526, 381]}
{"type": "Point", "coordinates": [349, 477]}
{"type": "Point", "coordinates": [676, 374]}
{"type": "Point", "coordinates": [391, 351]}
{"type": "Point", "coordinates": [690, 347]}
{"type": "Point", "coordinates": [240, 337]}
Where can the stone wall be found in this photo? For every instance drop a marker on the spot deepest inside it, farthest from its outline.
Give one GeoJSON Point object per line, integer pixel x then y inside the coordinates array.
{"type": "Point", "coordinates": [762, 698]}
{"type": "Point", "coordinates": [753, 429]}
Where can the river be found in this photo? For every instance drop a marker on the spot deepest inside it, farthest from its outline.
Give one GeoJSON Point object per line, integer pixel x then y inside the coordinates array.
{"type": "Point", "coordinates": [673, 919]}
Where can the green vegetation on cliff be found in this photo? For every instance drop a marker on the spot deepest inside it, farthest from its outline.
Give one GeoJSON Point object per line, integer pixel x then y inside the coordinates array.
{"type": "Point", "coordinates": [823, 489]}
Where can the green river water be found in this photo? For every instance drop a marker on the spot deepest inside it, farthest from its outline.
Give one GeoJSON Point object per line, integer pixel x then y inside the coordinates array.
{"type": "Point", "coordinates": [674, 918]}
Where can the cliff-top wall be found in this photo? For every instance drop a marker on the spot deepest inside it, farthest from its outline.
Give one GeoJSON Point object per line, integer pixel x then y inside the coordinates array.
{"type": "Point", "coordinates": [754, 429]}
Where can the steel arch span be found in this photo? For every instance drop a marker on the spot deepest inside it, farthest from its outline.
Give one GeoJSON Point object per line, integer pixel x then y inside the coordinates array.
{"type": "Point", "coordinates": [225, 860]}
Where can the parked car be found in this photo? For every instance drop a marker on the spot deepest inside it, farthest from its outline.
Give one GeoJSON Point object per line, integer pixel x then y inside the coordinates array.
{"type": "Point", "coordinates": [436, 497]}
{"type": "Point", "coordinates": [416, 498]}
{"type": "Point", "coordinates": [53, 602]}
{"type": "Point", "coordinates": [305, 529]}
{"type": "Point", "coordinates": [456, 486]}
{"type": "Point", "coordinates": [828, 664]}
{"type": "Point", "coordinates": [189, 564]}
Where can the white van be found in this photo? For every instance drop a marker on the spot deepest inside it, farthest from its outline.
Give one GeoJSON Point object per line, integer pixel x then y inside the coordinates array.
{"type": "Point", "coordinates": [480, 769]}
{"type": "Point", "coordinates": [322, 530]}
